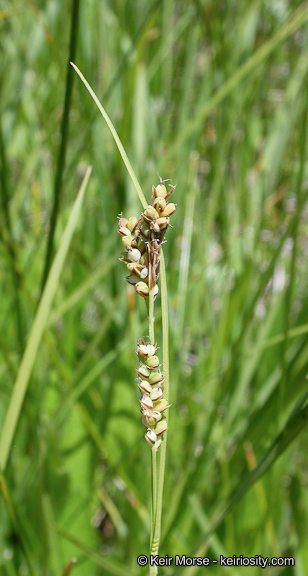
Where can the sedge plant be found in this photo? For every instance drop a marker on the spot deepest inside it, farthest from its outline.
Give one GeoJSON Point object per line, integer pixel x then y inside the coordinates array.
{"type": "Point", "coordinates": [142, 239]}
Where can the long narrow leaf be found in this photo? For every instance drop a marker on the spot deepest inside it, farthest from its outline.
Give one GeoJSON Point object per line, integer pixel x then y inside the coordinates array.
{"type": "Point", "coordinates": [115, 136]}
{"type": "Point", "coordinates": [16, 525]}
{"type": "Point", "coordinates": [297, 421]}
{"type": "Point", "coordinates": [109, 565]}
{"type": "Point", "coordinates": [295, 21]}
{"type": "Point", "coordinates": [38, 326]}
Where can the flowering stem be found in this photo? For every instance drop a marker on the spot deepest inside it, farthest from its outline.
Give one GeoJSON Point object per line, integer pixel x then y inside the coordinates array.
{"type": "Point", "coordinates": [152, 224]}
{"type": "Point", "coordinates": [153, 451]}
{"type": "Point", "coordinates": [151, 316]}
{"type": "Point", "coordinates": [154, 492]}
{"type": "Point", "coordinates": [162, 463]}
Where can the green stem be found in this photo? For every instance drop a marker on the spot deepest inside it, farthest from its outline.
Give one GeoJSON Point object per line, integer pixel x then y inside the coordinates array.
{"type": "Point", "coordinates": [290, 288]}
{"type": "Point", "coordinates": [10, 245]}
{"type": "Point", "coordinates": [154, 492]}
{"type": "Point", "coordinates": [64, 138]}
{"type": "Point", "coordinates": [37, 330]}
{"type": "Point", "coordinates": [153, 452]}
{"type": "Point", "coordinates": [114, 82]}
{"type": "Point", "coordinates": [151, 316]}
{"type": "Point", "coordinates": [162, 462]}
{"type": "Point", "coordinates": [17, 532]}
{"type": "Point", "coordinates": [296, 20]}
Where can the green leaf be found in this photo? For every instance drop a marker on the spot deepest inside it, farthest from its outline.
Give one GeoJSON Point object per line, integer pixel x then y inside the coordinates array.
{"type": "Point", "coordinates": [37, 330]}
{"type": "Point", "coordinates": [110, 565]}
{"type": "Point", "coordinates": [297, 421]}
{"type": "Point", "coordinates": [115, 136]}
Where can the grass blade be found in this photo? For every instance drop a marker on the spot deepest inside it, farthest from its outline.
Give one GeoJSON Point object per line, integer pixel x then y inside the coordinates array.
{"type": "Point", "coordinates": [115, 136]}
{"type": "Point", "coordinates": [297, 421]}
{"type": "Point", "coordinates": [16, 526]}
{"type": "Point", "coordinates": [39, 324]}
{"type": "Point", "coordinates": [294, 22]}
{"type": "Point", "coordinates": [4, 197]}
{"type": "Point", "coordinates": [64, 137]}
{"type": "Point", "coordinates": [109, 565]}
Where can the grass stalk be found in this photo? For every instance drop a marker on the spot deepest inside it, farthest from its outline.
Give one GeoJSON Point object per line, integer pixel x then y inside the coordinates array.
{"type": "Point", "coordinates": [35, 337]}
{"type": "Point", "coordinates": [154, 493]}
{"type": "Point", "coordinates": [16, 278]}
{"type": "Point", "coordinates": [294, 426]}
{"type": "Point", "coordinates": [109, 565]}
{"type": "Point", "coordinates": [297, 19]}
{"type": "Point", "coordinates": [151, 316]}
{"type": "Point", "coordinates": [64, 138]}
{"type": "Point", "coordinates": [115, 137]}
{"type": "Point", "coordinates": [153, 451]}
{"type": "Point", "coordinates": [122, 66]}
{"type": "Point", "coordinates": [186, 244]}
{"type": "Point", "coordinates": [4, 491]}
{"type": "Point", "coordinates": [162, 462]}
{"type": "Point", "coordinates": [290, 288]}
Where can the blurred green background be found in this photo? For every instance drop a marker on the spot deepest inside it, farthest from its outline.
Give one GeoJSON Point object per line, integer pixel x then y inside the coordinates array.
{"type": "Point", "coordinates": [211, 94]}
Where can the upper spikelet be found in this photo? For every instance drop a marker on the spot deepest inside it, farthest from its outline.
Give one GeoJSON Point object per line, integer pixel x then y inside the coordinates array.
{"type": "Point", "coordinates": [142, 238]}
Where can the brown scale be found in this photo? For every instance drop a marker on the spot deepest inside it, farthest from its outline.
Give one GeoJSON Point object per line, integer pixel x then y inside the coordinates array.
{"type": "Point", "coordinates": [154, 246]}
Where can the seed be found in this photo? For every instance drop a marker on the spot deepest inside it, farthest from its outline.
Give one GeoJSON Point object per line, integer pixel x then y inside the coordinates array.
{"type": "Point", "coordinates": [159, 191]}
{"type": "Point", "coordinates": [132, 223]}
{"type": "Point", "coordinates": [143, 372]}
{"type": "Point", "coordinates": [163, 223]}
{"type": "Point", "coordinates": [170, 208]}
{"type": "Point", "coordinates": [145, 387]}
{"type": "Point", "coordinates": [144, 273]}
{"type": "Point", "coordinates": [146, 402]}
{"type": "Point", "coordinates": [150, 437]}
{"type": "Point", "coordinates": [152, 362]}
{"type": "Point", "coordinates": [146, 350]}
{"type": "Point", "coordinates": [151, 350]}
{"type": "Point", "coordinates": [127, 241]}
{"type": "Point", "coordinates": [156, 394]}
{"type": "Point", "coordinates": [161, 405]}
{"type": "Point", "coordinates": [142, 289]}
{"type": "Point", "coordinates": [155, 377]}
{"type": "Point", "coordinates": [154, 226]}
{"type": "Point", "coordinates": [159, 204]}
{"type": "Point", "coordinates": [134, 255]}
{"type": "Point", "coordinates": [142, 350]}
{"type": "Point", "coordinates": [122, 222]}
{"type": "Point", "coordinates": [161, 427]}
{"type": "Point", "coordinates": [151, 417]}
{"type": "Point", "coordinates": [131, 267]}
{"type": "Point", "coordinates": [124, 231]}
{"type": "Point", "coordinates": [150, 213]}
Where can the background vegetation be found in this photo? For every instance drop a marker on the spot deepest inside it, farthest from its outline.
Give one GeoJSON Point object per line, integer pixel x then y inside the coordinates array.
{"type": "Point", "coordinates": [211, 94]}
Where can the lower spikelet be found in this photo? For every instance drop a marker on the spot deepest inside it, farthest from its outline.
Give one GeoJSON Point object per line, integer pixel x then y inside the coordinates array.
{"type": "Point", "coordinates": [152, 403]}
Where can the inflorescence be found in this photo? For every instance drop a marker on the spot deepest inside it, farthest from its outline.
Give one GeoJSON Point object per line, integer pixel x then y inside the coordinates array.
{"type": "Point", "coordinates": [150, 383]}
{"type": "Point", "coordinates": [142, 239]}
